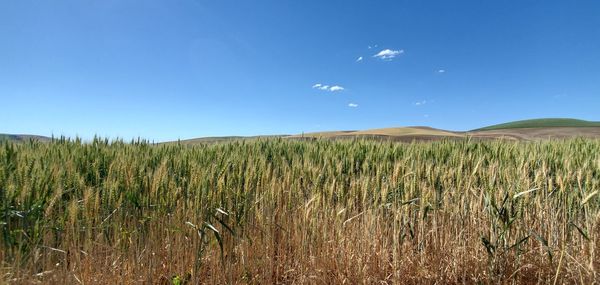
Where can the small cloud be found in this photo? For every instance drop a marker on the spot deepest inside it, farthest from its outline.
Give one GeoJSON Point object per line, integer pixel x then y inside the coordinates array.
{"type": "Point", "coordinates": [336, 88]}
{"type": "Point", "coordinates": [441, 71]}
{"type": "Point", "coordinates": [370, 47]}
{"type": "Point", "coordinates": [352, 105]}
{"type": "Point", "coordinates": [360, 58]}
{"type": "Point", "coordinates": [421, 103]}
{"type": "Point", "coordinates": [320, 86]}
{"type": "Point", "coordinates": [388, 54]}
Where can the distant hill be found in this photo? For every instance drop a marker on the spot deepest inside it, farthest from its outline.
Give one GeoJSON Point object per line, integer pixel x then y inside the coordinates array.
{"type": "Point", "coordinates": [526, 130]}
{"type": "Point", "coordinates": [23, 138]}
{"type": "Point", "coordinates": [542, 123]}
{"type": "Point", "coordinates": [396, 134]}
{"type": "Point", "coordinates": [209, 140]}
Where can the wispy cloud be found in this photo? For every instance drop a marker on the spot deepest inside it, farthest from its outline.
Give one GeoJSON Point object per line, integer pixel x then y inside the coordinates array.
{"type": "Point", "coordinates": [388, 54]}
{"type": "Point", "coordinates": [441, 71]}
{"type": "Point", "coordinates": [421, 103]}
{"type": "Point", "coordinates": [353, 105]}
{"type": "Point", "coordinates": [360, 58]}
{"type": "Point", "coordinates": [320, 86]}
{"type": "Point", "coordinates": [334, 88]}
{"type": "Point", "coordinates": [370, 47]}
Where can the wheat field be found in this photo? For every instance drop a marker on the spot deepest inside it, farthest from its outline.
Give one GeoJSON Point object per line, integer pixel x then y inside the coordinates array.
{"type": "Point", "coordinates": [276, 211]}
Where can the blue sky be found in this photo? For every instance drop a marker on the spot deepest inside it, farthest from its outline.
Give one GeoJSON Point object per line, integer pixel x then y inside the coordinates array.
{"type": "Point", "coordinates": [173, 69]}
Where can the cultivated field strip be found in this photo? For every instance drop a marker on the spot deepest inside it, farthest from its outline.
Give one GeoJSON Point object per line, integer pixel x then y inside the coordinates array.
{"type": "Point", "coordinates": [295, 212]}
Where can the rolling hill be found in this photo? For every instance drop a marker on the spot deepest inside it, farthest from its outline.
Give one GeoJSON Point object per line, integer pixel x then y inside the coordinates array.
{"type": "Point", "coordinates": [396, 134]}
{"type": "Point", "coordinates": [542, 123]}
{"type": "Point", "coordinates": [535, 129]}
{"type": "Point", "coordinates": [23, 138]}
{"type": "Point", "coordinates": [209, 140]}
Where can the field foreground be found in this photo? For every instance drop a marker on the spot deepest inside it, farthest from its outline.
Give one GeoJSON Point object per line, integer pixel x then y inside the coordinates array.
{"type": "Point", "coordinates": [285, 211]}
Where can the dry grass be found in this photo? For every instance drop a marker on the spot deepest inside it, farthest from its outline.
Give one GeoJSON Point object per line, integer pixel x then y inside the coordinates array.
{"type": "Point", "coordinates": [391, 132]}
{"type": "Point", "coordinates": [409, 134]}
{"type": "Point", "coordinates": [540, 133]}
{"type": "Point", "coordinates": [280, 211]}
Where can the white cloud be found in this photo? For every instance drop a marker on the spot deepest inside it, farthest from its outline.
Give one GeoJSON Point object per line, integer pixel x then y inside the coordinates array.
{"type": "Point", "coordinates": [441, 71]}
{"type": "Point", "coordinates": [388, 54]}
{"type": "Point", "coordinates": [421, 103]}
{"type": "Point", "coordinates": [370, 47]}
{"type": "Point", "coordinates": [352, 105]}
{"type": "Point", "coordinates": [360, 58]}
{"type": "Point", "coordinates": [320, 86]}
{"type": "Point", "coordinates": [336, 88]}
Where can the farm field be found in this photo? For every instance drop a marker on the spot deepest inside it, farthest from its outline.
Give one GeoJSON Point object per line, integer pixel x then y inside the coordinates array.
{"type": "Point", "coordinates": [525, 130]}
{"type": "Point", "coordinates": [280, 211]}
{"type": "Point", "coordinates": [299, 142]}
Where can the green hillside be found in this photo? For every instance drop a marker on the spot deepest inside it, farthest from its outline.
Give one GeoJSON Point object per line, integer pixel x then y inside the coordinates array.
{"type": "Point", "coordinates": [542, 123]}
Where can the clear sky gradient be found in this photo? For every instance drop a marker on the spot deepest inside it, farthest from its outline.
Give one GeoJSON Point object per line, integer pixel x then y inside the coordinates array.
{"type": "Point", "coordinates": [173, 69]}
